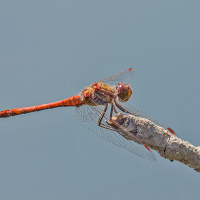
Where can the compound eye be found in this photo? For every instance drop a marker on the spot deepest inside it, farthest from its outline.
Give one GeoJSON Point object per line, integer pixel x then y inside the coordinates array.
{"type": "Point", "coordinates": [122, 87]}
{"type": "Point", "coordinates": [124, 92]}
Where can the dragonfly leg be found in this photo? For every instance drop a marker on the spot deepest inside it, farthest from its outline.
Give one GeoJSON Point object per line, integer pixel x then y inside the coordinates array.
{"type": "Point", "coordinates": [101, 118]}
{"type": "Point", "coordinates": [111, 111]}
{"type": "Point", "coordinates": [114, 109]}
{"type": "Point", "coordinates": [122, 109]}
{"type": "Point", "coordinates": [102, 115]}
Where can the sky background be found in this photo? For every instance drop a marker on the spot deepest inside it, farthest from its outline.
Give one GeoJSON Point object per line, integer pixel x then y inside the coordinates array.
{"type": "Point", "coordinates": [51, 50]}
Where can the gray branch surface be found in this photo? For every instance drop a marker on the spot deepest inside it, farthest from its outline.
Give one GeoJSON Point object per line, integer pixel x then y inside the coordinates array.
{"type": "Point", "coordinates": [155, 137]}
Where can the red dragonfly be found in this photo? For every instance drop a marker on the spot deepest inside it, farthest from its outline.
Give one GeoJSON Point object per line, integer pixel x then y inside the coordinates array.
{"type": "Point", "coordinates": [96, 105]}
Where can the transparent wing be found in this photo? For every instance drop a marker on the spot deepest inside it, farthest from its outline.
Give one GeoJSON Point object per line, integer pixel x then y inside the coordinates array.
{"type": "Point", "coordinates": [123, 77]}
{"type": "Point", "coordinates": [136, 112]}
{"type": "Point", "coordinates": [88, 116]}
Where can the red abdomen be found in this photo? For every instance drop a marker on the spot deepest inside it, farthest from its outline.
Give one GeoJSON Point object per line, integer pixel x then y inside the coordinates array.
{"type": "Point", "coordinates": [72, 101]}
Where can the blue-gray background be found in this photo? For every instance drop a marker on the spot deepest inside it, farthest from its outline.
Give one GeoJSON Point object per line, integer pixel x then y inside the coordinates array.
{"type": "Point", "coordinates": [50, 50]}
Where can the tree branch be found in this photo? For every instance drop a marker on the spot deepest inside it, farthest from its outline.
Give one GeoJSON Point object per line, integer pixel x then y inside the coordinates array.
{"type": "Point", "coordinates": [167, 145]}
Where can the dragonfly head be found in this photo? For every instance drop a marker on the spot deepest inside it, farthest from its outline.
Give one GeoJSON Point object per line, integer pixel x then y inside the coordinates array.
{"type": "Point", "coordinates": [124, 92]}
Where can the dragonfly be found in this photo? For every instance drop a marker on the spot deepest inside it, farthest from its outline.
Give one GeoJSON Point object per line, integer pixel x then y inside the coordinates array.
{"type": "Point", "coordinates": [96, 105]}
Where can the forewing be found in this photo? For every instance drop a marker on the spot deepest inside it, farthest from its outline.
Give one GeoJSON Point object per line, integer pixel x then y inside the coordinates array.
{"type": "Point", "coordinates": [122, 77]}
{"type": "Point", "coordinates": [88, 116]}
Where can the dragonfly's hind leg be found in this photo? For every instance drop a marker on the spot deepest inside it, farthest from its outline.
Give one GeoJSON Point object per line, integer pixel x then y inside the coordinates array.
{"type": "Point", "coordinates": [102, 116]}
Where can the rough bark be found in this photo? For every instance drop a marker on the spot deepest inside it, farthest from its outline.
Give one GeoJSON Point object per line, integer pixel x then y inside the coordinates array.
{"type": "Point", "coordinates": [155, 137]}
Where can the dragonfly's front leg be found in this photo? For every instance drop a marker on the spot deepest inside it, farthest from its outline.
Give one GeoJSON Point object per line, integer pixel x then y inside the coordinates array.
{"type": "Point", "coordinates": [122, 109]}
{"type": "Point", "coordinates": [114, 109]}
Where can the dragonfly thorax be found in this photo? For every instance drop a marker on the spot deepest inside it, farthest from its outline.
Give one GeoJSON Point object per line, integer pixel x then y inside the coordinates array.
{"type": "Point", "coordinates": [98, 94]}
{"type": "Point", "coordinates": [124, 92]}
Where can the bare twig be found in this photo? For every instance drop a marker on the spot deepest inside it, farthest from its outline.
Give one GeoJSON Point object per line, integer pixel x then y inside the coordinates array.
{"type": "Point", "coordinates": [167, 145]}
